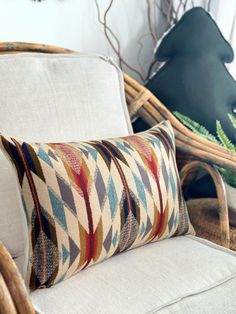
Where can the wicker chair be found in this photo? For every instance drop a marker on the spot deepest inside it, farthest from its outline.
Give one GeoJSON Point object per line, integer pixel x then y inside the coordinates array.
{"type": "Point", "coordinates": [193, 154]}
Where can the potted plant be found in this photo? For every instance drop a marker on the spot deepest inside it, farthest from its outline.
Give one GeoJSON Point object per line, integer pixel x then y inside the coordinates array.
{"type": "Point", "coordinates": [222, 139]}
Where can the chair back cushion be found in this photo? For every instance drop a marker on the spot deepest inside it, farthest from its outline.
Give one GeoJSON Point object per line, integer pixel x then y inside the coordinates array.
{"type": "Point", "coordinates": [51, 98]}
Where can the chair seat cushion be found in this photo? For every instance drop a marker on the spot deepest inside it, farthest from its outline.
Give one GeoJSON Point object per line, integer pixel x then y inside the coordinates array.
{"type": "Point", "coordinates": [177, 275]}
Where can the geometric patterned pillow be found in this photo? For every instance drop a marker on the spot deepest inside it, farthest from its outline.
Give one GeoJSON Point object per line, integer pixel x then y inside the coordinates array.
{"type": "Point", "coordinates": [88, 201]}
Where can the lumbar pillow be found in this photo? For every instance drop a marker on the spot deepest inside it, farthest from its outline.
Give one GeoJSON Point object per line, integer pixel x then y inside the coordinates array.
{"type": "Point", "coordinates": [194, 79]}
{"type": "Point", "coordinates": [88, 201]}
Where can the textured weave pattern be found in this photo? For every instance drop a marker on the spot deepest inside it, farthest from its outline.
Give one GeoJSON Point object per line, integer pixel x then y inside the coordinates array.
{"type": "Point", "coordinates": [91, 200]}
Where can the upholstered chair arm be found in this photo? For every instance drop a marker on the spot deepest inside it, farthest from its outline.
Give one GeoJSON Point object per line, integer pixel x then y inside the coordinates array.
{"type": "Point", "coordinates": [13, 295]}
{"type": "Point", "coordinates": [188, 173]}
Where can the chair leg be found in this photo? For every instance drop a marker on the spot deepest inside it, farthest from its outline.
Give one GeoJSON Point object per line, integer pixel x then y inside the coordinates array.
{"type": "Point", "coordinates": [186, 176]}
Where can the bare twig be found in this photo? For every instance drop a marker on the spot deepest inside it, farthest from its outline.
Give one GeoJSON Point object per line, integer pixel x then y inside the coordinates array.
{"type": "Point", "coordinates": [185, 5]}
{"type": "Point", "coordinates": [170, 10]}
{"type": "Point", "coordinates": [209, 6]}
{"type": "Point", "coordinates": [106, 32]}
{"type": "Point", "coordinates": [163, 12]}
{"type": "Point", "coordinates": [153, 63]}
{"type": "Point", "coordinates": [141, 46]}
{"type": "Point", "coordinates": [110, 30]}
{"type": "Point", "coordinates": [150, 22]}
{"type": "Point", "coordinates": [178, 9]}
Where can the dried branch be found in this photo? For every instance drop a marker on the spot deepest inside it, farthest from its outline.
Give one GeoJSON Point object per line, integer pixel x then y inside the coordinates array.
{"type": "Point", "coordinates": [141, 46]}
{"type": "Point", "coordinates": [109, 30]}
{"type": "Point", "coordinates": [170, 14]}
{"type": "Point", "coordinates": [209, 6]}
{"type": "Point", "coordinates": [152, 33]}
{"type": "Point", "coordinates": [150, 69]}
{"type": "Point", "coordinates": [107, 34]}
{"type": "Point", "coordinates": [170, 10]}
{"type": "Point", "coordinates": [184, 2]}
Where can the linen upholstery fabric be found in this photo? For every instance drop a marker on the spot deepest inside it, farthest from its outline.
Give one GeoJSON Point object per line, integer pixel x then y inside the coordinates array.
{"type": "Point", "coordinates": [51, 98]}
{"type": "Point", "coordinates": [178, 275]}
{"type": "Point", "coordinates": [88, 201]}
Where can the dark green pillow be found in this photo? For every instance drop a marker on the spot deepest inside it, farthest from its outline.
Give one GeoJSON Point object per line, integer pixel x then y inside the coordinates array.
{"type": "Point", "coordinates": [194, 79]}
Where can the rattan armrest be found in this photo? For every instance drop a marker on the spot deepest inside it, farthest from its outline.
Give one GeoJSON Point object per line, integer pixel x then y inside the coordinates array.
{"type": "Point", "coordinates": [147, 106]}
{"type": "Point", "coordinates": [187, 175]}
{"type": "Point", "coordinates": [6, 303]}
{"type": "Point", "coordinates": [13, 295]}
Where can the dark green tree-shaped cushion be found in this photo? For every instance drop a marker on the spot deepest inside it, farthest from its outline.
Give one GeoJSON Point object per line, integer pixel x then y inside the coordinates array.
{"type": "Point", "coordinates": [194, 79]}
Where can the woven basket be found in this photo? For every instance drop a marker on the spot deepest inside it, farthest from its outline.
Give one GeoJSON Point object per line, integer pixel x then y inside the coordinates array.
{"type": "Point", "coordinates": [205, 216]}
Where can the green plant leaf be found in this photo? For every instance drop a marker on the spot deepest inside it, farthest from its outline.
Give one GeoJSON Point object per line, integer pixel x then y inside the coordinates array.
{"type": "Point", "coordinates": [225, 141]}
{"type": "Point", "coordinates": [196, 127]}
{"type": "Point", "coordinates": [228, 176]}
{"type": "Point", "coordinates": [222, 140]}
{"type": "Point", "coordinates": [232, 120]}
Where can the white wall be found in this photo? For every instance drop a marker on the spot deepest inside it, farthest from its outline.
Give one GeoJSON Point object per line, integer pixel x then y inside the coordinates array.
{"type": "Point", "coordinates": [226, 19]}
{"type": "Point", "coordinates": [73, 24]}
